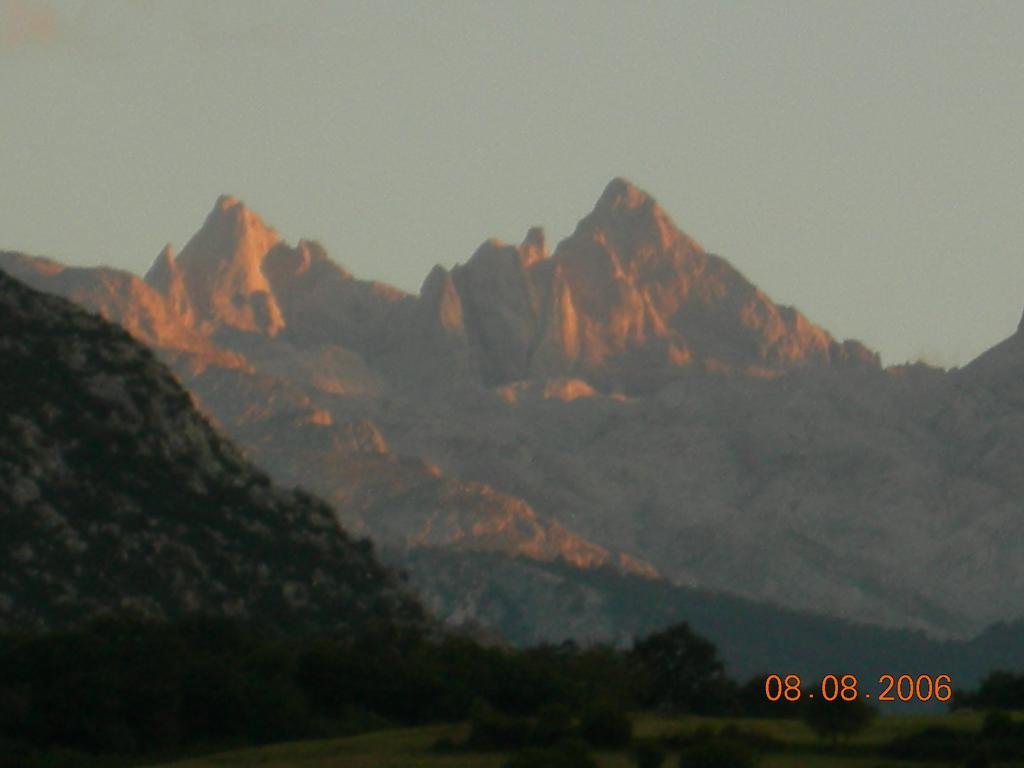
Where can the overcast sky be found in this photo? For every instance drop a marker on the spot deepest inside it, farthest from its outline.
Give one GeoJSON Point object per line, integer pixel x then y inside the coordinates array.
{"type": "Point", "coordinates": [860, 160]}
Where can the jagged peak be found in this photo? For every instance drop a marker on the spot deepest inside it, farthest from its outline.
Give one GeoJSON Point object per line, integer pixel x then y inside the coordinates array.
{"type": "Point", "coordinates": [493, 250]}
{"type": "Point", "coordinates": [534, 247]}
{"type": "Point", "coordinates": [628, 215]}
{"type": "Point", "coordinates": [623, 200]}
{"type": "Point", "coordinates": [231, 226]}
{"type": "Point", "coordinates": [434, 281]}
{"type": "Point", "coordinates": [620, 192]}
{"type": "Point", "coordinates": [232, 232]}
{"type": "Point", "coordinates": [489, 246]}
{"type": "Point", "coordinates": [312, 250]}
{"type": "Point", "coordinates": [535, 237]}
{"type": "Point", "coordinates": [222, 268]}
{"type": "Point", "coordinates": [440, 299]}
{"type": "Point", "coordinates": [230, 212]}
{"type": "Point", "coordinates": [160, 274]}
{"type": "Point", "coordinates": [224, 202]}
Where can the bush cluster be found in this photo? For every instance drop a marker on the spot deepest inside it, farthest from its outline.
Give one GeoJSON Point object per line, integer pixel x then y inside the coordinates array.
{"type": "Point", "coordinates": [1000, 739]}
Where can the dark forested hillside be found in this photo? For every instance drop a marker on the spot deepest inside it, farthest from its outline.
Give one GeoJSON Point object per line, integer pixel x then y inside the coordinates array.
{"type": "Point", "coordinates": [115, 493]}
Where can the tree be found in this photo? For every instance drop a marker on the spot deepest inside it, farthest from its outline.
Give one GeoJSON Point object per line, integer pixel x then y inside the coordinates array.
{"type": "Point", "coordinates": [836, 719]}
{"type": "Point", "coordinates": [681, 671]}
{"type": "Point", "coordinates": [1001, 690]}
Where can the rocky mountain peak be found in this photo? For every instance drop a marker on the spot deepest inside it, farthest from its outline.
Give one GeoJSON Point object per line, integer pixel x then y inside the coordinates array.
{"type": "Point", "coordinates": [622, 193]}
{"type": "Point", "coordinates": [160, 273]}
{"type": "Point", "coordinates": [236, 229]}
{"type": "Point", "coordinates": [226, 202]}
{"type": "Point", "coordinates": [222, 270]}
{"type": "Point", "coordinates": [629, 219]}
{"type": "Point", "coordinates": [622, 303]}
{"type": "Point", "coordinates": [439, 297]}
{"type": "Point", "coordinates": [533, 248]}
{"type": "Point", "coordinates": [164, 271]}
{"type": "Point", "coordinates": [166, 279]}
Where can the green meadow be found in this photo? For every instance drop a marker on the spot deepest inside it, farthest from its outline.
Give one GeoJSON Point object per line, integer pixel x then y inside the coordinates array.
{"type": "Point", "coordinates": [798, 746]}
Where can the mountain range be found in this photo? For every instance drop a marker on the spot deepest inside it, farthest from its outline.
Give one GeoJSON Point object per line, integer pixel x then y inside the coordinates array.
{"type": "Point", "coordinates": [626, 402]}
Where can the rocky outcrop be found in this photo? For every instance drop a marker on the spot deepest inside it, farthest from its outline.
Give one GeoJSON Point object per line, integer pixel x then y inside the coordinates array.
{"type": "Point", "coordinates": [402, 502]}
{"type": "Point", "coordinates": [435, 345]}
{"type": "Point", "coordinates": [166, 278]}
{"type": "Point", "coordinates": [501, 307]}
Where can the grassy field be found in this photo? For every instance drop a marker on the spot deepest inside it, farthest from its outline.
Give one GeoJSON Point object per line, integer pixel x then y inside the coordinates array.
{"type": "Point", "coordinates": [413, 747]}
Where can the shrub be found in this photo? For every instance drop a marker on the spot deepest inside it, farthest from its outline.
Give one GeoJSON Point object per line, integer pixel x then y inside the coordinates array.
{"type": "Point", "coordinates": [836, 719]}
{"type": "Point", "coordinates": [687, 738]}
{"type": "Point", "coordinates": [14, 754]}
{"type": "Point", "coordinates": [1001, 689]}
{"type": "Point", "coordinates": [716, 754]}
{"type": "Point", "coordinates": [935, 743]}
{"type": "Point", "coordinates": [567, 754]}
{"type": "Point", "coordinates": [445, 744]}
{"type": "Point", "coordinates": [607, 727]}
{"type": "Point", "coordinates": [553, 724]}
{"type": "Point", "coordinates": [1002, 739]}
{"type": "Point", "coordinates": [998, 725]}
{"type": "Point", "coordinates": [755, 741]}
{"type": "Point", "coordinates": [493, 730]}
{"type": "Point", "coordinates": [649, 756]}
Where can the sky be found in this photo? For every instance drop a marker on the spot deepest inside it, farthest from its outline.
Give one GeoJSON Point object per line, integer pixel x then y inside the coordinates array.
{"type": "Point", "coordinates": [861, 161]}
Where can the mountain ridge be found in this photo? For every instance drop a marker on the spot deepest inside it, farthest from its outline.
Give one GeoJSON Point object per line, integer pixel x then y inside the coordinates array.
{"type": "Point", "coordinates": [638, 393]}
{"type": "Point", "coordinates": [627, 287]}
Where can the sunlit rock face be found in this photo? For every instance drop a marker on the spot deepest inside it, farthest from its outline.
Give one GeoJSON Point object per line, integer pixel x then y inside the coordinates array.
{"type": "Point", "coordinates": [166, 278]}
{"type": "Point", "coordinates": [125, 299]}
{"type": "Point", "coordinates": [627, 303]}
{"type": "Point", "coordinates": [222, 270]}
{"type": "Point", "coordinates": [626, 289]}
{"type": "Point", "coordinates": [638, 280]}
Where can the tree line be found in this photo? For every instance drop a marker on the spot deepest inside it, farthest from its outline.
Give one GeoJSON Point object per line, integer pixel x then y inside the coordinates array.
{"type": "Point", "coordinates": [129, 686]}
{"type": "Point", "coordinates": [126, 685]}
